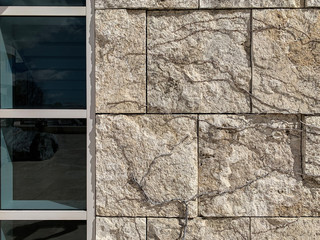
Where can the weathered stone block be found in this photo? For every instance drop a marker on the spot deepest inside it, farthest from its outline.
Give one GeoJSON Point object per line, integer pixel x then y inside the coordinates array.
{"type": "Point", "coordinates": [285, 228]}
{"type": "Point", "coordinates": [286, 58]}
{"type": "Point", "coordinates": [145, 165]}
{"type": "Point", "coordinates": [200, 229]}
{"type": "Point", "coordinates": [198, 61]}
{"type": "Point", "coordinates": [249, 3]}
{"type": "Point", "coordinates": [120, 61]}
{"type": "Point", "coordinates": [251, 166]}
{"type": "Point", "coordinates": [120, 228]}
{"type": "Point", "coordinates": [152, 4]}
{"type": "Point", "coordinates": [313, 3]}
{"type": "Point", "coordinates": [312, 154]}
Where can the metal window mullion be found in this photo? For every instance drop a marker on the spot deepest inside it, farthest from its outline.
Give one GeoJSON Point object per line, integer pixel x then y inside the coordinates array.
{"type": "Point", "coordinates": [43, 113]}
{"type": "Point", "coordinates": [42, 11]}
{"type": "Point", "coordinates": [42, 215]}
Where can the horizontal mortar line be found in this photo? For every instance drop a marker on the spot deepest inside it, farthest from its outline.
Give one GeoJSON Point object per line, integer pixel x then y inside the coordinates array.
{"type": "Point", "coordinates": [240, 114]}
{"type": "Point", "coordinates": [221, 217]}
{"type": "Point", "coordinates": [206, 9]}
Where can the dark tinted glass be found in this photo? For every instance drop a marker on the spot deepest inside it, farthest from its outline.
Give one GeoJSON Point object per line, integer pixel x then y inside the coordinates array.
{"type": "Point", "coordinates": [42, 2]}
{"type": "Point", "coordinates": [43, 164]}
{"type": "Point", "coordinates": [41, 230]}
{"type": "Point", "coordinates": [43, 63]}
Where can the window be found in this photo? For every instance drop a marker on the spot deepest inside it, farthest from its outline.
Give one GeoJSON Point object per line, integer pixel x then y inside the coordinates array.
{"type": "Point", "coordinates": [46, 120]}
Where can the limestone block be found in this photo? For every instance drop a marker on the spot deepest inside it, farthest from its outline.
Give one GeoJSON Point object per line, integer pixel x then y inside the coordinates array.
{"type": "Point", "coordinates": [198, 61]}
{"type": "Point", "coordinates": [313, 3]}
{"type": "Point", "coordinates": [250, 3]}
{"type": "Point", "coordinates": [120, 228]}
{"type": "Point", "coordinates": [251, 166]}
{"type": "Point", "coordinates": [200, 229]}
{"type": "Point", "coordinates": [145, 165]}
{"type": "Point", "coordinates": [285, 228]}
{"type": "Point", "coordinates": [286, 59]}
{"type": "Point", "coordinates": [120, 61]}
{"type": "Point", "coordinates": [150, 4]}
{"type": "Point", "coordinates": [312, 154]}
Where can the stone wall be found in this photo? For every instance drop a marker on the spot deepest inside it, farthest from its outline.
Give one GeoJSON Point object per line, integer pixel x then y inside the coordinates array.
{"type": "Point", "coordinates": [207, 119]}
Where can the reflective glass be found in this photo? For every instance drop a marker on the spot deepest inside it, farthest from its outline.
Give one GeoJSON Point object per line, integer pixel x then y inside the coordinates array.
{"type": "Point", "coordinates": [41, 230]}
{"type": "Point", "coordinates": [43, 62]}
{"type": "Point", "coordinates": [43, 164]}
{"type": "Point", "coordinates": [42, 2]}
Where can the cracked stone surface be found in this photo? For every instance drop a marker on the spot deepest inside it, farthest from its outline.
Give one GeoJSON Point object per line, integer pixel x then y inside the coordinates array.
{"type": "Point", "coordinates": [144, 162]}
{"type": "Point", "coordinates": [152, 4]}
{"type": "Point", "coordinates": [286, 60]}
{"type": "Point", "coordinates": [312, 155]}
{"type": "Point", "coordinates": [285, 228]}
{"type": "Point", "coordinates": [200, 229]}
{"type": "Point", "coordinates": [198, 61]}
{"type": "Point", "coordinates": [120, 228]}
{"type": "Point", "coordinates": [251, 166]}
{"type": "Point", "coordinates": [249, 3]}
{"type": "Point", "coordinates": [120, 61]}
{"type": "Point", "coordinates": [313, 3]}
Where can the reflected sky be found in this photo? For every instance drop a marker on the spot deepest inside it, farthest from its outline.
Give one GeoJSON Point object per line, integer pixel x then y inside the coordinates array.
{"type": "Point", "coordinates": [43, 63]}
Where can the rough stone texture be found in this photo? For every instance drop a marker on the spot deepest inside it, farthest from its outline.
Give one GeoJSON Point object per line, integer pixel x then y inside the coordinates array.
{"type": "Point", "coordinates": [143, 161]}
{"type": "Point", "coordinates": [251, 166]}
{"type": "Point", "coordinates": [313, 3]}
{"type": "Point", "coordinates": [198, 61]}
{"type": "Point", "coordinates": [152, 4]}
{"type": "Point", "coordinates": [249, 3]}
{"type": "Point", "coordinates": [285, 228]}
{"type": "Point", "coordinates": [286, 56]}
{"type": "Point", "coordinates": [200, 229]}
{"type": "Point", "coordinates": [120, 61]}
{"type": "Point", "coordinates": [312, 145]}
{"type": "Point", "coordinates": [121, 228]}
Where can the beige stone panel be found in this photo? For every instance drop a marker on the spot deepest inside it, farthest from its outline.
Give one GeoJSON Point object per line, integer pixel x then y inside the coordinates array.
{"type": "Point", "coordinates": [152, 4]}
{"type": "Point", "coordinates": [120, 61]}
{"type": "Point", "coordinates": [200, 229]}
{"type": "Point", "coordinates": [146, 164]}
{"type": "Point", "coordinates": [286, 60]}
{"type": "Point", "coordinates": [198, 61]}
{"type": "Point", "coordinates": [250, 3]}
{"type": "Point", "coordinates": [285, 228]}
{"type": "Point", "coordinates": [251, 166]}
{"type": "Point", "coordinates": [120, 228]}
{"type": "Point", "coordinates": [313, 3]}
{"type": "Point", "coordinates": [312, 154]}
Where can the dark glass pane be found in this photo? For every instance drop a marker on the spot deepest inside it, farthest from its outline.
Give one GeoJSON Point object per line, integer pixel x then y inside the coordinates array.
{"type": "Point", "coordinates": [43, 164]}
{"type": "Point", "coordinates": [43, 62]}
{"type": "Point", "coordinates": [42, 2]}
{"type": "Point", "coordinates": [41, 230]}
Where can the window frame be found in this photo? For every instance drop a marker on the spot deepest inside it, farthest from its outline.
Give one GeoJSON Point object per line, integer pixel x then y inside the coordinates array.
{"type": "Point", "coordinates": [89, 113]}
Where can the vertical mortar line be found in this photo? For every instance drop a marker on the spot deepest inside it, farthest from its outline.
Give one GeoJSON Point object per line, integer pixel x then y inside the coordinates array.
{"type": "Point", "coordinates": [198, 165]}
{"type": "Point", "coordinates": [302, 144]}
{"type": "Point", "coordinates": [250, 228]}
{"type": "Point", "coordinates": [198, 4]}
{"type": "Point", "coordinates": [146, 228]}
{"type": "Point", "coordinates": [146, 61]}
{"type": "Point", "coordinates": [251, 59]}
{"type": "Point", "coordinates": [305, 3]}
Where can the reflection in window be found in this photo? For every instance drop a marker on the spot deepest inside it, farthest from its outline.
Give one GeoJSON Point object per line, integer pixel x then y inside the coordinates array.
{"type": "Point", "coordinates": [44, 230]}
{"type": "Point", "coordinates": [42, 2]}
{"type": "Point", "coordinates": [43, 164]}
{"type": "Point", "coordinates": [43, 63]}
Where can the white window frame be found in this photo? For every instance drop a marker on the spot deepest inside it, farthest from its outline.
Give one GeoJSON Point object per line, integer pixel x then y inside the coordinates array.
{"type": "Point", "coordinates": [89, 214]}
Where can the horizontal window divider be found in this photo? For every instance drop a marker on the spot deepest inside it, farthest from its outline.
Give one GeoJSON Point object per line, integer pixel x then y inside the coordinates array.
{"type": "Point", "coordinates": [43, 215]}
{"type": "Point", "coordinates": [42, 11]}
{"type": "Point", "coordinates": [43, 113]}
